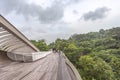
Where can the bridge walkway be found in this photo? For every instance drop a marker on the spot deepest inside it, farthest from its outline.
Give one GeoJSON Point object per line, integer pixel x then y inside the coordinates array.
{"type": "Point", "coordinates": [51, 67]}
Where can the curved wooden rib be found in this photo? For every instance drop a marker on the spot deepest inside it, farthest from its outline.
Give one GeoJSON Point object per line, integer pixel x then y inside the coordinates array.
{"type": "Point", "coordinates": [9, 49]}
{"type": "Point", "coordinates": [7, 29]}
{"type": "Point", "coordinates": [8, 45]}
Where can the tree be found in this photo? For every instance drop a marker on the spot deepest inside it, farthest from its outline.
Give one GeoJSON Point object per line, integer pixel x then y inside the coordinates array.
{"type": "Point", "coordinates": [115, 64]}
{"type": "Point", "coordinates": [41, 45]}
{"type": "Point", "coordinates": [94, 68]}
{"type": "Point", "coordinates": [95, 54]}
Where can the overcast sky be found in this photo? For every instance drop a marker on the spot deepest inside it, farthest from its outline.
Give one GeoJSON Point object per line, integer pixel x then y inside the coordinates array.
{"type": "Point", "coordinates": [51, 19]}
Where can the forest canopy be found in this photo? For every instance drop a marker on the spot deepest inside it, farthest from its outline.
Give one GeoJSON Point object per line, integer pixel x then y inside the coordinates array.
{"type": "Point", "coordinates": [96, 55]}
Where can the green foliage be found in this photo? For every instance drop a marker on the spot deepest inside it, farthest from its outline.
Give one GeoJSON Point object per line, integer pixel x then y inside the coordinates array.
{"type": "Point", "coordinates": [41, 45]}
{"type": "Point", "coordinates": [85, 44]}
{"type": "Point", "coordinates": [60, 44]}
{"type": "Point", "coordinates": [96, 55]}
{"type": "Point", "coordinates": [115, 64]}
{"type": "Point", "coordinates": [94, 68]}
{"type": "Point", "coordinates": [71, 47]}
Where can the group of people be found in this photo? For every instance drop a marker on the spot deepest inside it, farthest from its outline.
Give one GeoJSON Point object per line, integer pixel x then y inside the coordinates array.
{"type": "Point", "coordinates": [56, 50]}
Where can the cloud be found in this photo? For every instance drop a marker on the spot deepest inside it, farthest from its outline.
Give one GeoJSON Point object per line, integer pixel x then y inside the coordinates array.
{"type": "Point", "coordinates": [53, 13]}
{"type": "Point", "coordinates": [50, 14]}
{"type": "Point", "coordinates": [67, 2]}
{"type": "Point", "coordinates": [99, 13]}
{"type": "Point", "coordinates": [75, 12]}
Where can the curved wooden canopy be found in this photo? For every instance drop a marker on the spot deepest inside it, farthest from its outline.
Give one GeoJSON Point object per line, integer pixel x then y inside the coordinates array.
{"type": "Point", "coordinates": [8, 30]}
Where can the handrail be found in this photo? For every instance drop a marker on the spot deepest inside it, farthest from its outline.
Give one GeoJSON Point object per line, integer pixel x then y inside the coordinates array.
{"type": "Point", "coordinates": [71, 66]}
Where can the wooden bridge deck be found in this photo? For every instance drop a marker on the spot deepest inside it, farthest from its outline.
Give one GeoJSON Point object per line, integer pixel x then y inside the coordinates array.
{"type": "Point", "coordinates": [52, 67]}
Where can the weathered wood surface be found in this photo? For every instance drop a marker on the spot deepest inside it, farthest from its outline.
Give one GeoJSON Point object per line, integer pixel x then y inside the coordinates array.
{"type": "Point", "coordinates": [12, 39]}
{"type": "Point", "coordinates": [27, 57]}
{"type": "Point", "coordinates": [51, 67]}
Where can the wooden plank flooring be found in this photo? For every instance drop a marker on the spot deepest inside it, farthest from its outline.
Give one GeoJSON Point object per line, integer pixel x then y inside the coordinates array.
{"type": "Point", "coordinates": [52, 67]}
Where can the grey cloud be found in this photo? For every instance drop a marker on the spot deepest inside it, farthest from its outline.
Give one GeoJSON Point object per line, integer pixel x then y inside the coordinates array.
{"type": "Point", "coordinates": [20, 7]}
{"type": "Point", "coordinates": [75, 12]}
{"type": "Point", "coordinates": [67, 2]}
{"type": "Point", "coordinates": [50, 37]}
{"type": "Point", "coordinates": [51, 14]}
{"type": "Point", "coordinates": [99, 13]}
{"type": "Point", "coordinates": [30, 29]}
